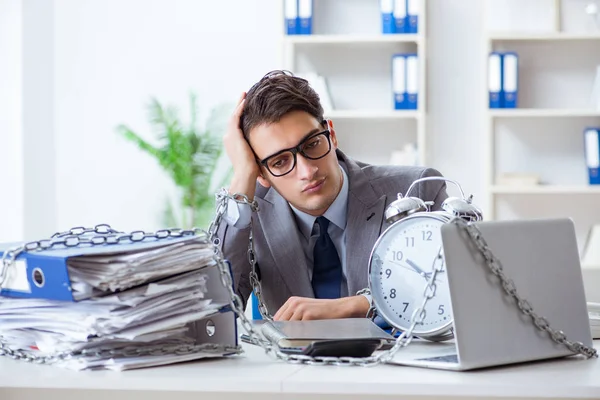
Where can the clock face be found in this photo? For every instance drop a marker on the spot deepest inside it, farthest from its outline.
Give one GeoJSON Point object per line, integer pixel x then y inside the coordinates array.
{"type": "Point", "coordinates": [401, 264]}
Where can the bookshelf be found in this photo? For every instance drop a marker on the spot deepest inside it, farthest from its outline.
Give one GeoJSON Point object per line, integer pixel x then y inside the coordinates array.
{"type": "Point", "coordinates": [355, 59]}
{"type": "Point", "coordinates": [544, 135]}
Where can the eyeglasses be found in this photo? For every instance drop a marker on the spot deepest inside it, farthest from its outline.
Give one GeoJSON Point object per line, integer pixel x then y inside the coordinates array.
{"type": "Point", "coordinates": [313, 147]}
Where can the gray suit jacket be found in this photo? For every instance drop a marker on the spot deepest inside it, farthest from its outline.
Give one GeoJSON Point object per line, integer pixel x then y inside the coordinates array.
{"type": "Point", "coordinates": [281, 260]}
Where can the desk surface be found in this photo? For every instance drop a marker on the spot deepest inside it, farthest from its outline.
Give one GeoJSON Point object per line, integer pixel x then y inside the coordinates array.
{"type": "Point", "coordinates": [256, 373]}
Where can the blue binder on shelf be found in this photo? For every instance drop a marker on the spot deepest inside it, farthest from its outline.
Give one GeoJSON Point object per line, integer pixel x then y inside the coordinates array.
{"type": "Point", "coordinates": [399, 81]}
{"type": "Point", "coordinates": [387, 16]}
{"type": "Point", "coordinates": [510, 79]}
{"type": "Point", "coordinates": [413, 10]}
{"type": "Point", "coordinates": [412, 81]}
{"type": "Point", "coordinates": [495, 84]}
{"type": "Point", "coordinates": [291, 17]}
{"type": "Point", "coordinates": [592, 154]}
{"type": "Point", "coordinates": [400, 16]}
{"type": "Point", "coordinates": [305, 17]}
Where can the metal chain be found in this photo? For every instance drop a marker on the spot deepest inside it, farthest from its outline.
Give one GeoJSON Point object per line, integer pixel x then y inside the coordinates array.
{"type": "Point", "coordinates": [128, 351]}
{"type": "Point", "coordinates": [222, 202]}
{"type": "Point", "coordinates": [272, 349]}
{"type": "Point", "coordinates": [510, 288]}
{"type": "Point", "coordinates": [11, 255]}
{"type": "Point", "coordinates": [105, 236]}
{"type": "Point", "coordinates": [101, 229]}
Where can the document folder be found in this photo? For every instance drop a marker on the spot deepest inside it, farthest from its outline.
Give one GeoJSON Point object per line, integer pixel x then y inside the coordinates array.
{"type": "Point", "coordinates": [291, 17]}
{"type": "Point", "coordinates": [592, 154]}
{"type": "Point", "coordinates": [47, 274]}
{"type": "Point", "coordinates": [495, 84]}
{"type": "Point", "coordinates": [116, 301]}
{"type": "Point", "coordinates": [412, 81]}
{"type": "Point", "coordinates": [413, 10]}
{"type": "Point", "coordinates": [510, 79]}
{"type": "Point", "coordinates": [305, 17]}
{"type": "Point", "coordinates": [400, 16]}
{"type": "Point", "coordinates": [399, 82]}
{"type": "Point", "coordinates": [387, 16]}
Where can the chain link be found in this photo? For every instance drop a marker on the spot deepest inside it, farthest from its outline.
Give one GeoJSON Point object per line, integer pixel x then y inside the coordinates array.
{"type": "Point", "coordinates": [128, 351]}
{"type": "Point", "coordinates": [510, 288]}
{"type": "Point", "coordinates": [105, 235]}
{"type": "Point", "coordinates": [100, 229]}
{"type": "Point", "coordinates": [272, 349]}
{"type": "Point", "coordinates": [222, 201]}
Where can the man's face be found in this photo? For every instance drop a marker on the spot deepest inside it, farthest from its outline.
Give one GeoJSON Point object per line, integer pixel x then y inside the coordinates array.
{"type": "Point", "coordinates": [313, 184]}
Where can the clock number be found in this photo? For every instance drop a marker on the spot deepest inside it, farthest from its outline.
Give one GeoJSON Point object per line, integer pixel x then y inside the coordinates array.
{"type": "Point", "coordinates": [405, 306]}
{"type": "Point", "coordinates": [388, 272]}
{"type": "Point", "coordinates": [441, 309]}
{"type": "Point", "coordinates": [410, 241]}
{"type": "Point", "coordinates": [427, 235]}
{"type": "Point", "coordinates": [393, 293]}
{"type": "Point", "coordinates": [398, 256]}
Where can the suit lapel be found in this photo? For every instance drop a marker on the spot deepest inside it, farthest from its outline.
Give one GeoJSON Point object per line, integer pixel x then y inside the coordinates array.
{"type": "Point", "coordinates": [282, 236]}
{"type": "Point", "coordinates": [365, 216]}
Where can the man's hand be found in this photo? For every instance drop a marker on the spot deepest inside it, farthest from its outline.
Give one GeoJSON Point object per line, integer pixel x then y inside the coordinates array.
{"type": "Point", "coordinates": [243, 161]}
{"type": "Point", "coordinates": [304, 308]}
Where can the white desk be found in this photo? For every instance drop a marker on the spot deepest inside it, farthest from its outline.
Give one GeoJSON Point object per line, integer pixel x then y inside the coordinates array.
{"type": "Point", "coordinates": [254, 376]}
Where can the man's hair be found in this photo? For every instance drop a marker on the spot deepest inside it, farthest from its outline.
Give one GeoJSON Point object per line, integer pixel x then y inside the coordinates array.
{"type": "Point", "coordinates": [275, 95]}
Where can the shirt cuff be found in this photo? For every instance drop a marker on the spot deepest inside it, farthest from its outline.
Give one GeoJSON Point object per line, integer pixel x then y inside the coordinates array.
{"type": "Point", "coordinates": [368, 297]}
{"type": "Point", "coordinates": [238, 215]}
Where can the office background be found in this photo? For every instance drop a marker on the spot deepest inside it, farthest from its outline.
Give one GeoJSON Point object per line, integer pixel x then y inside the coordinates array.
{"type": "Point", "coordinates": [72, 70]}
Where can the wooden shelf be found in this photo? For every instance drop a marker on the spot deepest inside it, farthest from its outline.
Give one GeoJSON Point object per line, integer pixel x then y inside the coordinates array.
{"type": "Point", "coordinates": [546, 189]}
{"type": "Point", "coordinates": [353, 39]}
{"type": "Point", "coordinates": [541, 113]}
{"type": "Point", "coordinates": [373, 114]}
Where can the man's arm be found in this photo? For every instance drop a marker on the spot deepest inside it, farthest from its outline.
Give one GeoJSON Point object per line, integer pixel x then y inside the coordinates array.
{"type": "Point", "coordinates": [234, 232]}
{"type": "Point", "coordinates": [234, 244]}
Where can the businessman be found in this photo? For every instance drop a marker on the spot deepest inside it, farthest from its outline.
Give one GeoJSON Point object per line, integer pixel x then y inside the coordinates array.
{"type": "Point", "coordinates": [320, 212]}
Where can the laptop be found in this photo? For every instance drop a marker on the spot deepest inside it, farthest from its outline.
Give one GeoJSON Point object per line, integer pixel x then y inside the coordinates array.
{"type": "Point", "coordinates": [542, 258]}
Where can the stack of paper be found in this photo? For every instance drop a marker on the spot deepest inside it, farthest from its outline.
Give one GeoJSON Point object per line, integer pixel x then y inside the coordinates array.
{"type": "Point", "coordinates": [594, 314]}
{"type": "Point", "coordinates": [94, 274]}
{"type": "Point", "coordinates": [133, 305]}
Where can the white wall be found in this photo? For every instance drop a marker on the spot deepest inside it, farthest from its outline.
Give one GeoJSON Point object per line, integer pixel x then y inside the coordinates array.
{"type": "Point", "coordinates": [456, 99]}
{"type": "Point", "coordinates": [11, 162]}
{"type": "Point", "coordinates": [39, 114]}
{"type": "Point", "coordinates": [111, 56]}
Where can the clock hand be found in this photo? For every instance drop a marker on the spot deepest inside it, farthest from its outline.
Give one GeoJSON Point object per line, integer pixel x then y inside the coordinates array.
{"type": "Point", "coordinates": [416, 268]}
{"type": "Point", "coordinates": [401, 265]}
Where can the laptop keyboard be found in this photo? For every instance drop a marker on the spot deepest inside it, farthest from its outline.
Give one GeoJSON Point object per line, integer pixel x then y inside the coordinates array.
{"type": "Point", "coordinates": [450, 358]}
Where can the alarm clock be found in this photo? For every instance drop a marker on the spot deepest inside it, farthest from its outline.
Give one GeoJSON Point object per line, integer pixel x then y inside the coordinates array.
{"type": "Point", "coordinates": [404, 257]}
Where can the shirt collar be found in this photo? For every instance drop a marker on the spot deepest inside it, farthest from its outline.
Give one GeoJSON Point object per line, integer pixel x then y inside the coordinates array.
{"type": "Point", "coordinates": [336, 213]}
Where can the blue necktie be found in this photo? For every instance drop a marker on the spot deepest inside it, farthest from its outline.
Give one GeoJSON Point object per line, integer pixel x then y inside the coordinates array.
{"type": "Point", "coordinates": [327, 269]}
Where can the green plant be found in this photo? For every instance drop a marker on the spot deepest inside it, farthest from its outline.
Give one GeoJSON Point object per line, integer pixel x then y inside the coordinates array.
{"type": "Point", "coordinates": [189, 155]}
